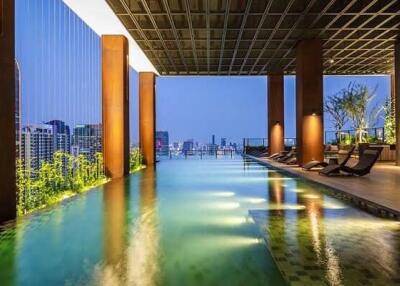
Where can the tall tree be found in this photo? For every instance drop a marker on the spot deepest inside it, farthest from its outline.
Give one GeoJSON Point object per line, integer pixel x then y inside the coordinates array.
{"type": "Point", "coordinates": [357, 99]}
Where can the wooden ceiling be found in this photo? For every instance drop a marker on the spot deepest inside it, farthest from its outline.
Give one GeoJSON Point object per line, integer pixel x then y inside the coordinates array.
{"type": "Point", "coordinates": [256, 37]}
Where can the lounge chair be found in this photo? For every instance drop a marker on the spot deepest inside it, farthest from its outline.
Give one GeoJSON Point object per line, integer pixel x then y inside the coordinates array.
{"type": "Point", "coordinates": [361, 168]}
{"type": "Point", "coordinates": [276, 155]}
{"type": "Point", "coordinates": [291, 161]}
{"type": "Point", "coordinates": [343, 158]}
{"type": "Point", "coordinates": [288, 156]}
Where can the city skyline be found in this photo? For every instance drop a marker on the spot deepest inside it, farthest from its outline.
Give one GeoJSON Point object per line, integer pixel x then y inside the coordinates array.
{"type": "Point", "coordinates": [234, 107]}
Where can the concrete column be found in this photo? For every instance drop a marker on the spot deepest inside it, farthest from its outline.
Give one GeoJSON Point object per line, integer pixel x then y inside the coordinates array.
{"type": "Point", "coordinates": [309, 101]}
{"type": "Point", "coordinates": [147, 117]}
{"type": "Point", "coordinates": [7, 112]}
{"type": "Point", "coordinates": [115, 81]}
{"type": "Point", "coordinates": [397, 97]}
{"type": "Point", "coordinates": [276, 126]}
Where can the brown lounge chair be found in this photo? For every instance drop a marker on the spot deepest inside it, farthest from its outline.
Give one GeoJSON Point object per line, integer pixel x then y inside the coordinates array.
{"type": "Point", "coordinates": [362, 168]}
{"type": "Point", "coordinates": [343, 158]}
{"type": "Point", "coordinates": [287, 156]}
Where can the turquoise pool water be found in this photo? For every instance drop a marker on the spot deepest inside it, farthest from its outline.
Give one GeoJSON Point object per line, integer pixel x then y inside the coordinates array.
{"type": "Point", "coordinates": [202, 222]}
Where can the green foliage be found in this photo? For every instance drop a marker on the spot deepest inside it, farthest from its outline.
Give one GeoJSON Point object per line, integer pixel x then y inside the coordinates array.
{"type": "Point", "coordinates": [355, 101]}
{"type": "Point", "coordinates": [65, 175]}
{"type": "Point", "coordinates": [135, 159]}
{"type": "Point", "coordinates": [390, 127]}
{"type": "Point", "coordinates": [334, 106]}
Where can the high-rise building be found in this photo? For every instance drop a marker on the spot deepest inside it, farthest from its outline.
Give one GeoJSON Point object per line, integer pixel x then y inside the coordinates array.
{"type": "Point", "coordinates": [36, 146]}
{"type": "Point", "coordinates": [223, 142]}
{"type": "Point", "coordinates": [162, 142]}
{"type": "Point", "coordinates": [187, 145]}
{"type": "Point", "coordinates": [87, 140]}
{"type": "Point", "coordinates": [18, 109]}
{"type": "Point", "coordinates": [213, 140]}
{"type": "Point", "coordinates": [61, 136]}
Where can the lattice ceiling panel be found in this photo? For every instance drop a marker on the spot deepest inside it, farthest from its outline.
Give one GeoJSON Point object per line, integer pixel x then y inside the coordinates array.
{"type": "Point", "coordinates": [255, 37]}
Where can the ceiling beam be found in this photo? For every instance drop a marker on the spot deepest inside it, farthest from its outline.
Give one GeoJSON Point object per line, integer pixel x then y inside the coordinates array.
{"type": "Point", "coordinates": [259, 26]}
{"type": "Point", "coordinates": [174, 31]}
{"type": "Point", "coordinates": [298, 21]}
{"type": "Point", "coordinates": [226, 18]}
{"type": "Point", "coordinates": [153, 22]}
{"type": "Point", "coordinates": [208, 32]}
{"type": "Point", "coordinates": [337, 16]}
{"type": "Point", "coordinates": [142, 34]}
{"type": "Point", "coordinates": [277, 25]}
{"type": "Point", "coordinates": [244, 20]}
{"type": "Point", "coordinates": [189, 20]}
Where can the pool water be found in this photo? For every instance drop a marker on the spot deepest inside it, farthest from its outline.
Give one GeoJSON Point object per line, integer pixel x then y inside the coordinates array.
{"type": "Point", "coordinates": [224, 221]}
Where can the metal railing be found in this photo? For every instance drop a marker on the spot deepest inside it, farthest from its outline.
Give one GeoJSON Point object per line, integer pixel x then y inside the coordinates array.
{"type": "Point", "coordinates": [198, 154]}
{"type": "Point", "coordinates": [263, 142]}
{"type": "Point", "coordinates": [352, 136]}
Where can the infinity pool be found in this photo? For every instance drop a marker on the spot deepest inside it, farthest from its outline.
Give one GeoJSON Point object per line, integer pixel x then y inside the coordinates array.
{"type": "Point", "coordinates": [202, 222]}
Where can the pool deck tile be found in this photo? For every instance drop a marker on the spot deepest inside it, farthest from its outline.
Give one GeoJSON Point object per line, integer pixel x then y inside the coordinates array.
{"type": "Point", "coordinates": [380, 189]}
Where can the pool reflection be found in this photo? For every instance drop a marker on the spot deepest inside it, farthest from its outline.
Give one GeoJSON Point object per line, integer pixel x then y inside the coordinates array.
{"type": "Point", "coordinates": [326, 242]}
{"type": "Point", "coordinates": [130, 247]}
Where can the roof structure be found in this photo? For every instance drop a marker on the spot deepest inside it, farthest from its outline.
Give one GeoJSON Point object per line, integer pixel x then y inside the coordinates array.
{"type": "Point", "coordinates": [257, 37]}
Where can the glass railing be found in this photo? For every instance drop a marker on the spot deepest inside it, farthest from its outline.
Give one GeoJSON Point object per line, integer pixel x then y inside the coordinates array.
{"type": "Point", "coordinates": [263, 142]}
{"type": "Point", "coordinates": [197, 154]}
{"type": "Point", "coordinates": [353, 136]}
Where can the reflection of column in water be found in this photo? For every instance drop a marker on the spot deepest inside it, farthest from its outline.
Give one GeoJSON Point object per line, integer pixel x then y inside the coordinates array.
{"type": "Point", "coordinates": [276, 192]}
{"type": "Point", "coordinates": [312, 237]}
{"type": "Point", "coordinates": [276, 219]}
{"type": "Point", "coordinates": [143, 251]}
{"type": "Point", "coordinates": [114, 233]}
{"type": "Point", "coordinates": [311, 234]}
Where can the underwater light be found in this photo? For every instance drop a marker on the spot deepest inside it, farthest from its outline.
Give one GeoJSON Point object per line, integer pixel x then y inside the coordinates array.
{"type": "Point", "coordinates": [311, 196]}
{"type": "Point", "coordinates": [332, 205]}
{"type": "Point", "coordinates": [255, 200]}
{"type": "Point", "coordinates": [235, 240]}
{"type": "Point", "coordinates": [223, 194]}
{"type": "Point", "coordinates": [225, 205]}
{"type": "Point", "coordinates": [296, 190]}
{"type": "Point", "coordinates": [229, 221]}
{"type": "Point", "coordinates": [285, 207]}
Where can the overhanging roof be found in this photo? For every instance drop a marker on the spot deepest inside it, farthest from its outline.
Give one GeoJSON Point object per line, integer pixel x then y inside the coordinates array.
{"type": "Point", "coordinates": [255, 37]}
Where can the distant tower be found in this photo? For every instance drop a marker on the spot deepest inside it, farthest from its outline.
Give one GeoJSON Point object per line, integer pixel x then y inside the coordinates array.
{"type": "Point", "coordinates": [36, 146]}
{"type": "Point", "coordinates": [213, 140]}
{"type": "Point", "coordinates": [61, 136]}
{"type": "Point", "coordinates": [223, 142]}
{"type": "Point", "coordinates": [17, 109]}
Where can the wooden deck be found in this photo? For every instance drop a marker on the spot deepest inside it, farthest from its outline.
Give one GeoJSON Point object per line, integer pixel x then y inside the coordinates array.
{"type": "Point", "coordinates": [378, 192]}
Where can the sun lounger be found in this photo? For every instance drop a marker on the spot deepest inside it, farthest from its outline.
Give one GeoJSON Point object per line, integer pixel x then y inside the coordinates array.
{"type": "Point", "coordinates": [364, 165]}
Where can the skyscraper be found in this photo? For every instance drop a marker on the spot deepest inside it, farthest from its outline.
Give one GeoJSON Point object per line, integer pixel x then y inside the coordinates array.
{"type": "Point", "coordinates": [187, 146]}
{"type": "Point", "coordinates": [87, 140]}
{"type": "Point", "coordinates": [162, 142]}
{"type": "Point", "coordinates": [36, 146]}
{"type": "Point", "coordinates": [213, 140]}
{"type": "Point", "coordinates": [223, 142]}
{"type": "Point", "coordinates": [17, 109]}
{"type": "Point", "coordinates": [61, 136]}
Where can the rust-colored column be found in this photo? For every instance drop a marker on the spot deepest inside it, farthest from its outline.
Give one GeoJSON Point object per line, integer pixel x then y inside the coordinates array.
{"type": "Point", "coordinates": [7, 112]}
{"type": "Point", "coordinates": [147, 117]}
{"type": "Point", "coordinates": [115, 83]}
{"type": "Point", "coordinates": [397, 97]}
{"type": "Point", "coordinates": [276, 130]}
{"type": "Point", "coordinates": [309, 101]}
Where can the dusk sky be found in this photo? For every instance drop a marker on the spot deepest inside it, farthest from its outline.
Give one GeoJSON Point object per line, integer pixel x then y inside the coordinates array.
{"type": "Point", "coordinates": [59, 57]}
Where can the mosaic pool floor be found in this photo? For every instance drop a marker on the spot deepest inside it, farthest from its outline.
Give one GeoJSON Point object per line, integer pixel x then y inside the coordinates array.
{"type": "Point", "coordinates": [335, 247]}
